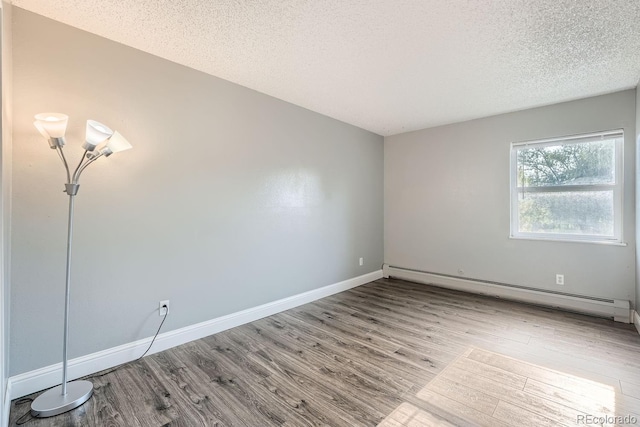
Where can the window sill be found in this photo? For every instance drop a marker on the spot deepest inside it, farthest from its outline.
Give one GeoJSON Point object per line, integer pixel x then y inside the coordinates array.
{"type": "Point", "coordinates": [552, 239]}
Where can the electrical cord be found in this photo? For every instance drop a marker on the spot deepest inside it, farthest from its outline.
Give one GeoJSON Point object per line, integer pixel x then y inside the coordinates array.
{"type": "Point", "coordinates": [21, 420]}
{"type": "Point", "coordinates": [156, 335]}
{"type": "Point", "coordinates": [143, 354]}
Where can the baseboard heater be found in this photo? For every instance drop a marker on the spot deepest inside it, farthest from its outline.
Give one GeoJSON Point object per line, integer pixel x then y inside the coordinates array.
{"type": "Point", "coordinates": [619, 310]}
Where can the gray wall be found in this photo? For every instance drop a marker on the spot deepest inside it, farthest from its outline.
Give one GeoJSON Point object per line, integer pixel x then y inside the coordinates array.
{"type": "Point", "coordinates": [230, 198]}
{"type": "Point", "coordinates": [447, 201]}
{"type": "Point", "coordinates": [637, 197]}
{"type": "Point", "coordinates": [5, 195]}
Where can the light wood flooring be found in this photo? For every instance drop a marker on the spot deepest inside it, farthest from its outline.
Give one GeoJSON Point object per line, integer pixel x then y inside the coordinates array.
{"type": "Point", "coordinates": [389, 353]}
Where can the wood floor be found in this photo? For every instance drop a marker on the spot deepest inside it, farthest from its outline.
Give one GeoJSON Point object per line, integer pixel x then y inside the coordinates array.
{"type": "Point", "coordinates": [390, 352]}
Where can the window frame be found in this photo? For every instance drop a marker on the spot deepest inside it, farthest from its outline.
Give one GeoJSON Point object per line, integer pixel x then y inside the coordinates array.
{"type": "Point", "coordinates": [618, 188]}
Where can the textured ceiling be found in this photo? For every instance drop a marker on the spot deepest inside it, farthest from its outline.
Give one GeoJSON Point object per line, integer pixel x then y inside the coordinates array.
{"type": "Point", "coordinates": [389, 66]}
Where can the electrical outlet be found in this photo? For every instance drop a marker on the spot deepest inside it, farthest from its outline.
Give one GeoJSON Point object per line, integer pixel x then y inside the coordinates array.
{"type": "Point", "coordinates": [560, 279]}
{"type": "Point", "coordinates": [361, 261]}
{"type": "Point", "coordinates": [162, 310]}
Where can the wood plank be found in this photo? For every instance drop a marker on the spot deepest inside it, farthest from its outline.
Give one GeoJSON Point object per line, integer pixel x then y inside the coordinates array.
{"type": "Point", "coordinates": [304, 381]}
{"type": "Point", "coordinates": [420, 310]}
{"type": "Point", "coordinates": [354, 354]}
{"type": "Point", "coordinates": [390, 422]}
{"type": "Point", "coordinates": [328, 369]}
{"type": "Point", "coordinates": [514, 415]}
{"type": "Point", "coordinates": [392, 325]}
{"type": "Point", "coordinates": [558, 362]}
{"type": "Point", "coordinates": [493, 373]}
{"type": "Point", "coordinates": [461, 413]}
{"type": "Point", "coordinates": [311, 409]}
{"type": "Point", "coordinates": [528, 314]}
{"type": "Point", "coordinates": [454, 390]}
{"type": "Point", "coordinates": [369, 352]}
{"type": "Point", "coordinates": [530, 402]}
{"type": "Point", "coordinates": [545, 375]}
{"type": "Point", "coordinates": [630, 389]}
{"type": "Point", "coordinates": [585, 400]}
{"type": "Point", "coordinates": [423, 315]}
{"type": "Point", "coordinates": [411, 416]}
{"type": "Point", "coordinates": [486, 384]}
{"type": "Point", "coordinates": [137, 383]}
{"type": "Point", "coordinates": [204, 392]}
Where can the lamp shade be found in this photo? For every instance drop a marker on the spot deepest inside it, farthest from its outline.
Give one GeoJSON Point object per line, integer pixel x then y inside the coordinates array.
{"type": "Point", "coordinates": [40, 128]}
{"type": "Point", "coordinates": [53, 124]}
{"type": "Point", "coordinates": [118, 143]}
{"type": "Point", "coordinates": [96, 133]}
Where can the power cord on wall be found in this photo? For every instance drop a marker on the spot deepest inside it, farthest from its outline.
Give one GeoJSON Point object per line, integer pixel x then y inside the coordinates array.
{"type": "Point", "coordinates": [143, 354]}
{"type": "Point", "coordinates": [23, 419]}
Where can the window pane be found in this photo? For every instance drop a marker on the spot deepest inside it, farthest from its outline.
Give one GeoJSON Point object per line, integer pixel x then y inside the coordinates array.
{"type": "Point", "coordinates": [586, 212]}
{"type": "Point", "coordinates": [584, 163]}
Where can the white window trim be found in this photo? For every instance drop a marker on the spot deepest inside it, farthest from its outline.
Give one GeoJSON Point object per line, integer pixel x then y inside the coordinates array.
{"type": "Point", "coordinates": [618, 190]}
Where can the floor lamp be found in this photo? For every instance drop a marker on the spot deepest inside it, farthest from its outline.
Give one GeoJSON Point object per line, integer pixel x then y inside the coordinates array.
{"type": "Point", "coordinates": [100, 141]}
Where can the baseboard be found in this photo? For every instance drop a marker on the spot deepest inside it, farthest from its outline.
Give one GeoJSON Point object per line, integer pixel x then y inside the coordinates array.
{"type": "Point", "coordinates": [6, 404]}
{"type": "Point", "coordinates": [636, 321]}
{"type": "Point", "coordinates": [49, 376]}
{"type": "Point", "coordinates": [619, 310]}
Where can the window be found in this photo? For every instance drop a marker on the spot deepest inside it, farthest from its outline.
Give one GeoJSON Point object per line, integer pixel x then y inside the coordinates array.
{"type": "Point", "coordinates": [568, 188]}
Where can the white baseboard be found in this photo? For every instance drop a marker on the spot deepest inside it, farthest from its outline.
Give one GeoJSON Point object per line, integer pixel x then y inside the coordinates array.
{"type": "Point", "coordinates": [636, 320]}
{"type": "Point", "coordinates": [49, 376]}
{"type": "Point", "coordinates": [618, 309]}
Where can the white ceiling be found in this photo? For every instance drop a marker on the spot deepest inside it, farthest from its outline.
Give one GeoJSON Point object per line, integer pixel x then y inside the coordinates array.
{"type": "Point", "coordinates": [389, 66]}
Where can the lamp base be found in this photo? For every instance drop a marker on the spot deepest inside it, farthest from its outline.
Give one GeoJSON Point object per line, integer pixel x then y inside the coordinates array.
{"type": "Point", "coordinates": [52, 402]}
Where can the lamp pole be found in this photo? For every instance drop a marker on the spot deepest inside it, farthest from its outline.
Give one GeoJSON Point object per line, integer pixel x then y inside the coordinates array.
{"type": "Point", "coordinates": [71, 394]}
{"type": "Point", "coordinates": [71, 190]}
{"type": "Point", "coordinates": [67, 294]}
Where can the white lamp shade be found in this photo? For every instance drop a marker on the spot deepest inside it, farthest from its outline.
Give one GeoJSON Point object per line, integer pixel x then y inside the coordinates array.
{"type": "Point", "coordinates": [118, 143]}
{"type": "Point", "coordinates": [96, 133]}
{"type": "Point", "coordinates": [53, 124]}
{"type": "Point", "coordinates": [40, 128]}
